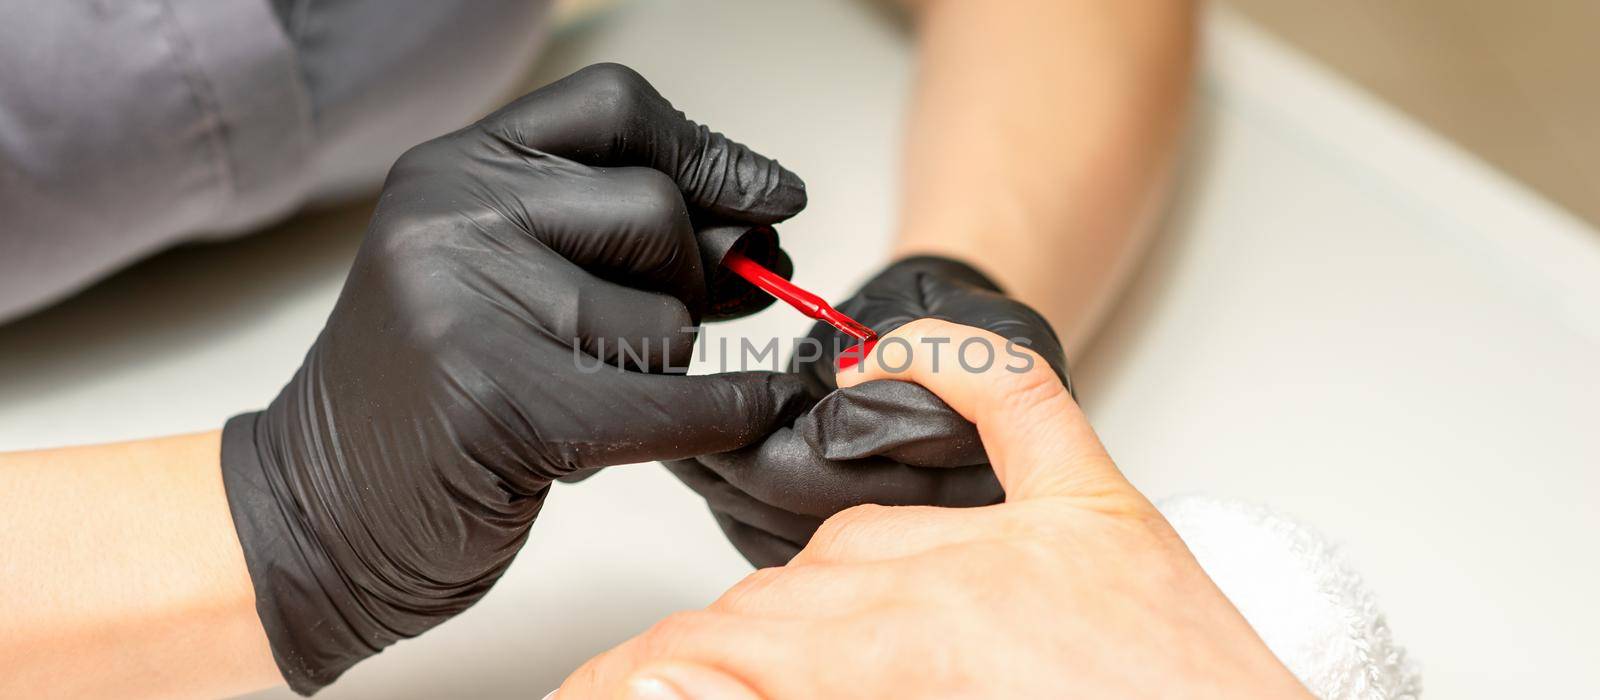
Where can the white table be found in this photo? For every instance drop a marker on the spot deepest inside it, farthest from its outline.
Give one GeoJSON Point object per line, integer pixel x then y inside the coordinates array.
{"type": "Point", "coordinates": [1346, 319]}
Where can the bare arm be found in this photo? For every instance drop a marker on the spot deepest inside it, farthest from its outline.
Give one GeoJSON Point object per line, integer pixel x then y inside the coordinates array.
{"type": "Point", "coordinates": [122, 576]}
{"type": "Point", "coordinates": [1040, 141]}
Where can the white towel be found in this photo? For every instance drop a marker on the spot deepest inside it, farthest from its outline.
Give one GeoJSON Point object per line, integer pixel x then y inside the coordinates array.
{"type": "Point", "coordinates": [1304, 600]}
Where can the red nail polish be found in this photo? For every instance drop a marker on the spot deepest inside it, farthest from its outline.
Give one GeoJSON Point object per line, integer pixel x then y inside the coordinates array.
{"type": "Point", "coordinates": [853, 355]}
{"type": "Point", "coordinates": [807, 303]}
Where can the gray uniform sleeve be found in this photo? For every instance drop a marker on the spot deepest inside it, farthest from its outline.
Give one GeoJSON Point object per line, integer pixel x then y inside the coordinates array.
{"type": "Point", "coordinates": [127, 127]}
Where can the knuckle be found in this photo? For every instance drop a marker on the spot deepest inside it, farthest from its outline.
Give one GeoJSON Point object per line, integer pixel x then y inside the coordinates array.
{"type": "Point", "coordinates": [420, 206]}
{"type": "Point", "coordinates": [665, 635]}
{"type": "Point", "coordinates": [616, 89]}
{"type": "Point", "coordinates": [425, 158]}
{"type": "Point", "coordinates": [929, 327]}
{"type": "Point", "coordinates": [411, 246]}
{"type": "Point", "coordinates": [589, 677]}
{"type": "Point", "coordinates": [751, 586]}
{"type": "Point", "coordinates": [919, 332]}
{"type": "Point", "coordinates": [658, 193]}
{"type": "Point", "coordinates": [413, 159]}
{"type": "Point", "coordinates": [431, 329]}
{"type": "Point", "coordinates": [660, 319]}
{"type": "Point", "coordinates": [836, 528]}
{"type": "Point", "coordinates": [651, 199]}
{"type": "Point", "coordinates": [1027, 392]}
{"type": "Point", "coordinates": [918, 329]}
{"type": "Point", "coordinates": [405, 236]}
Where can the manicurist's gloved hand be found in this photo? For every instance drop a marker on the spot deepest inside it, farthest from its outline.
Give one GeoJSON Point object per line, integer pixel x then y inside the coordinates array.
{"type": "Point", "coordinates": [472, 358]}
{"type": "Point", "coordinates": [889, 443]}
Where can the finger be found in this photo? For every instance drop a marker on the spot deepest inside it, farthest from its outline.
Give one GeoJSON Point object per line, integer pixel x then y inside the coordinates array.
{"type": "Point", "coordinates": [934, 287]}
{"type": "Point", "coordinates": [899, 421]}
{"type": "Point", "coordinates": [1037, 439]}
{"type": "Point", "coordinates": [728, 501]}
{"type": "Point", "coordinates": [600, 416]}
{"type": "Point", "coordinates": [610, 324]}
{"type": "Point", "coordinates": [607, 114]}
{"type": "Point", "coordinates": [634, 330]}
{"type": "Point", "coordinates": [730, 642]}
{"type": "Point", "coordinates": [785, 471]}
{"type": "Point", "coordinates": [678, 679]}
{"type": "Point", "coordinates": [596, 231]}
{"type": "Point", "coordinates": [654, 417]}
{"type": "Point", "coordinates": [534, 296]}
{"type": "Point", "coordinates": [628, 226]}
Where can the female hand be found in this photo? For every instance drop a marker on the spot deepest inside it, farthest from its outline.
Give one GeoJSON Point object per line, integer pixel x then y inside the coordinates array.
{"type": "Point", "coordinates": [889, 443]}
{"type": "Point", "coordinates": [1075, 586]}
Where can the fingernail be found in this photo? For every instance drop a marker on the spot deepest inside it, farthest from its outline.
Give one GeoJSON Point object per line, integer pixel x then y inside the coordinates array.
{"type": "Point", "coordinates": [687, 681]}
{"type": "Point", "coordinates": [550, 695]}
{"type": "Point", "coordinates": [853, 355]}
{"type": "Point", "coordinates": [648, 688]}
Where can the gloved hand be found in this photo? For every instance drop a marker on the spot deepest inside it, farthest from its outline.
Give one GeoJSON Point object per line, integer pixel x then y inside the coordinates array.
{"type": "Point", "coordinates": [395, 477]}
{"type": "Point", "coordinates": [883, 442]}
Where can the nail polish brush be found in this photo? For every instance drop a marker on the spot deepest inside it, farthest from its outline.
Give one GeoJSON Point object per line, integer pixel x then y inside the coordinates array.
{"type": "Point", "coordinates": [806, 303]}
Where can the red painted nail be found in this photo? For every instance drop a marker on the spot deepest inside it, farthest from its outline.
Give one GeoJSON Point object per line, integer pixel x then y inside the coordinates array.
{"type": "Point", "coordinates": [853, 355]}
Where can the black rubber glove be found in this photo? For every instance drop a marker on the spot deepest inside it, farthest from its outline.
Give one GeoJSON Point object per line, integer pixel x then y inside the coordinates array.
{"type": "Point", "coordinates": [393, 480]}
{"type": "Point", "coordinates": [884, 442]}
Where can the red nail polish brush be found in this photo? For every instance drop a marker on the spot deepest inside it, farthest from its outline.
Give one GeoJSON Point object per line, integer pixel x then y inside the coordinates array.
{"type": "Point", "coordinates": [806, 303]}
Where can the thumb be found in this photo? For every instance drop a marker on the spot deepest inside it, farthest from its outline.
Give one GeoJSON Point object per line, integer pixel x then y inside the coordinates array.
{"type": "Point", "coordinates": [1036, 437]}
{"type": "Point", "coordinates": [676, 417]}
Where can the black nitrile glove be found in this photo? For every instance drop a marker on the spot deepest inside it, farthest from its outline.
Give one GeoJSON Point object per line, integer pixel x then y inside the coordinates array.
{"type": "Point", "coordinates": [884, 442]}
{"type": "Point", "coordinates": [396, 476]}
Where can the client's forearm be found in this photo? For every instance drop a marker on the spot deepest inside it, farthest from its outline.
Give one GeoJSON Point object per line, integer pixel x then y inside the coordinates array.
{"type": "Point", "coordinates": [122, 575]}
{"type": "Point", "coordinates": [1040, 140]}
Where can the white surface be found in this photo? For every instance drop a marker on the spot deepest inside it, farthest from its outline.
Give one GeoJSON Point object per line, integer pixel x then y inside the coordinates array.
{"type": "Point", "coordinates": [1300, 595]}
{"type": "Point", "coordinates": [1346, 319]}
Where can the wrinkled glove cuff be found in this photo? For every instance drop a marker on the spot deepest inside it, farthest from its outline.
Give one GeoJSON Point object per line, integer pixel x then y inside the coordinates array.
{"type": "Point", "coordinates": [296, 584]}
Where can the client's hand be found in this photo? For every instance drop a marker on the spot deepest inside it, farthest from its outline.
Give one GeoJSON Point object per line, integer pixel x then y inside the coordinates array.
{"type": "Point", "coordinates": [888, 443]}
{"type": "Point", "coordinates": [1075, 586]}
